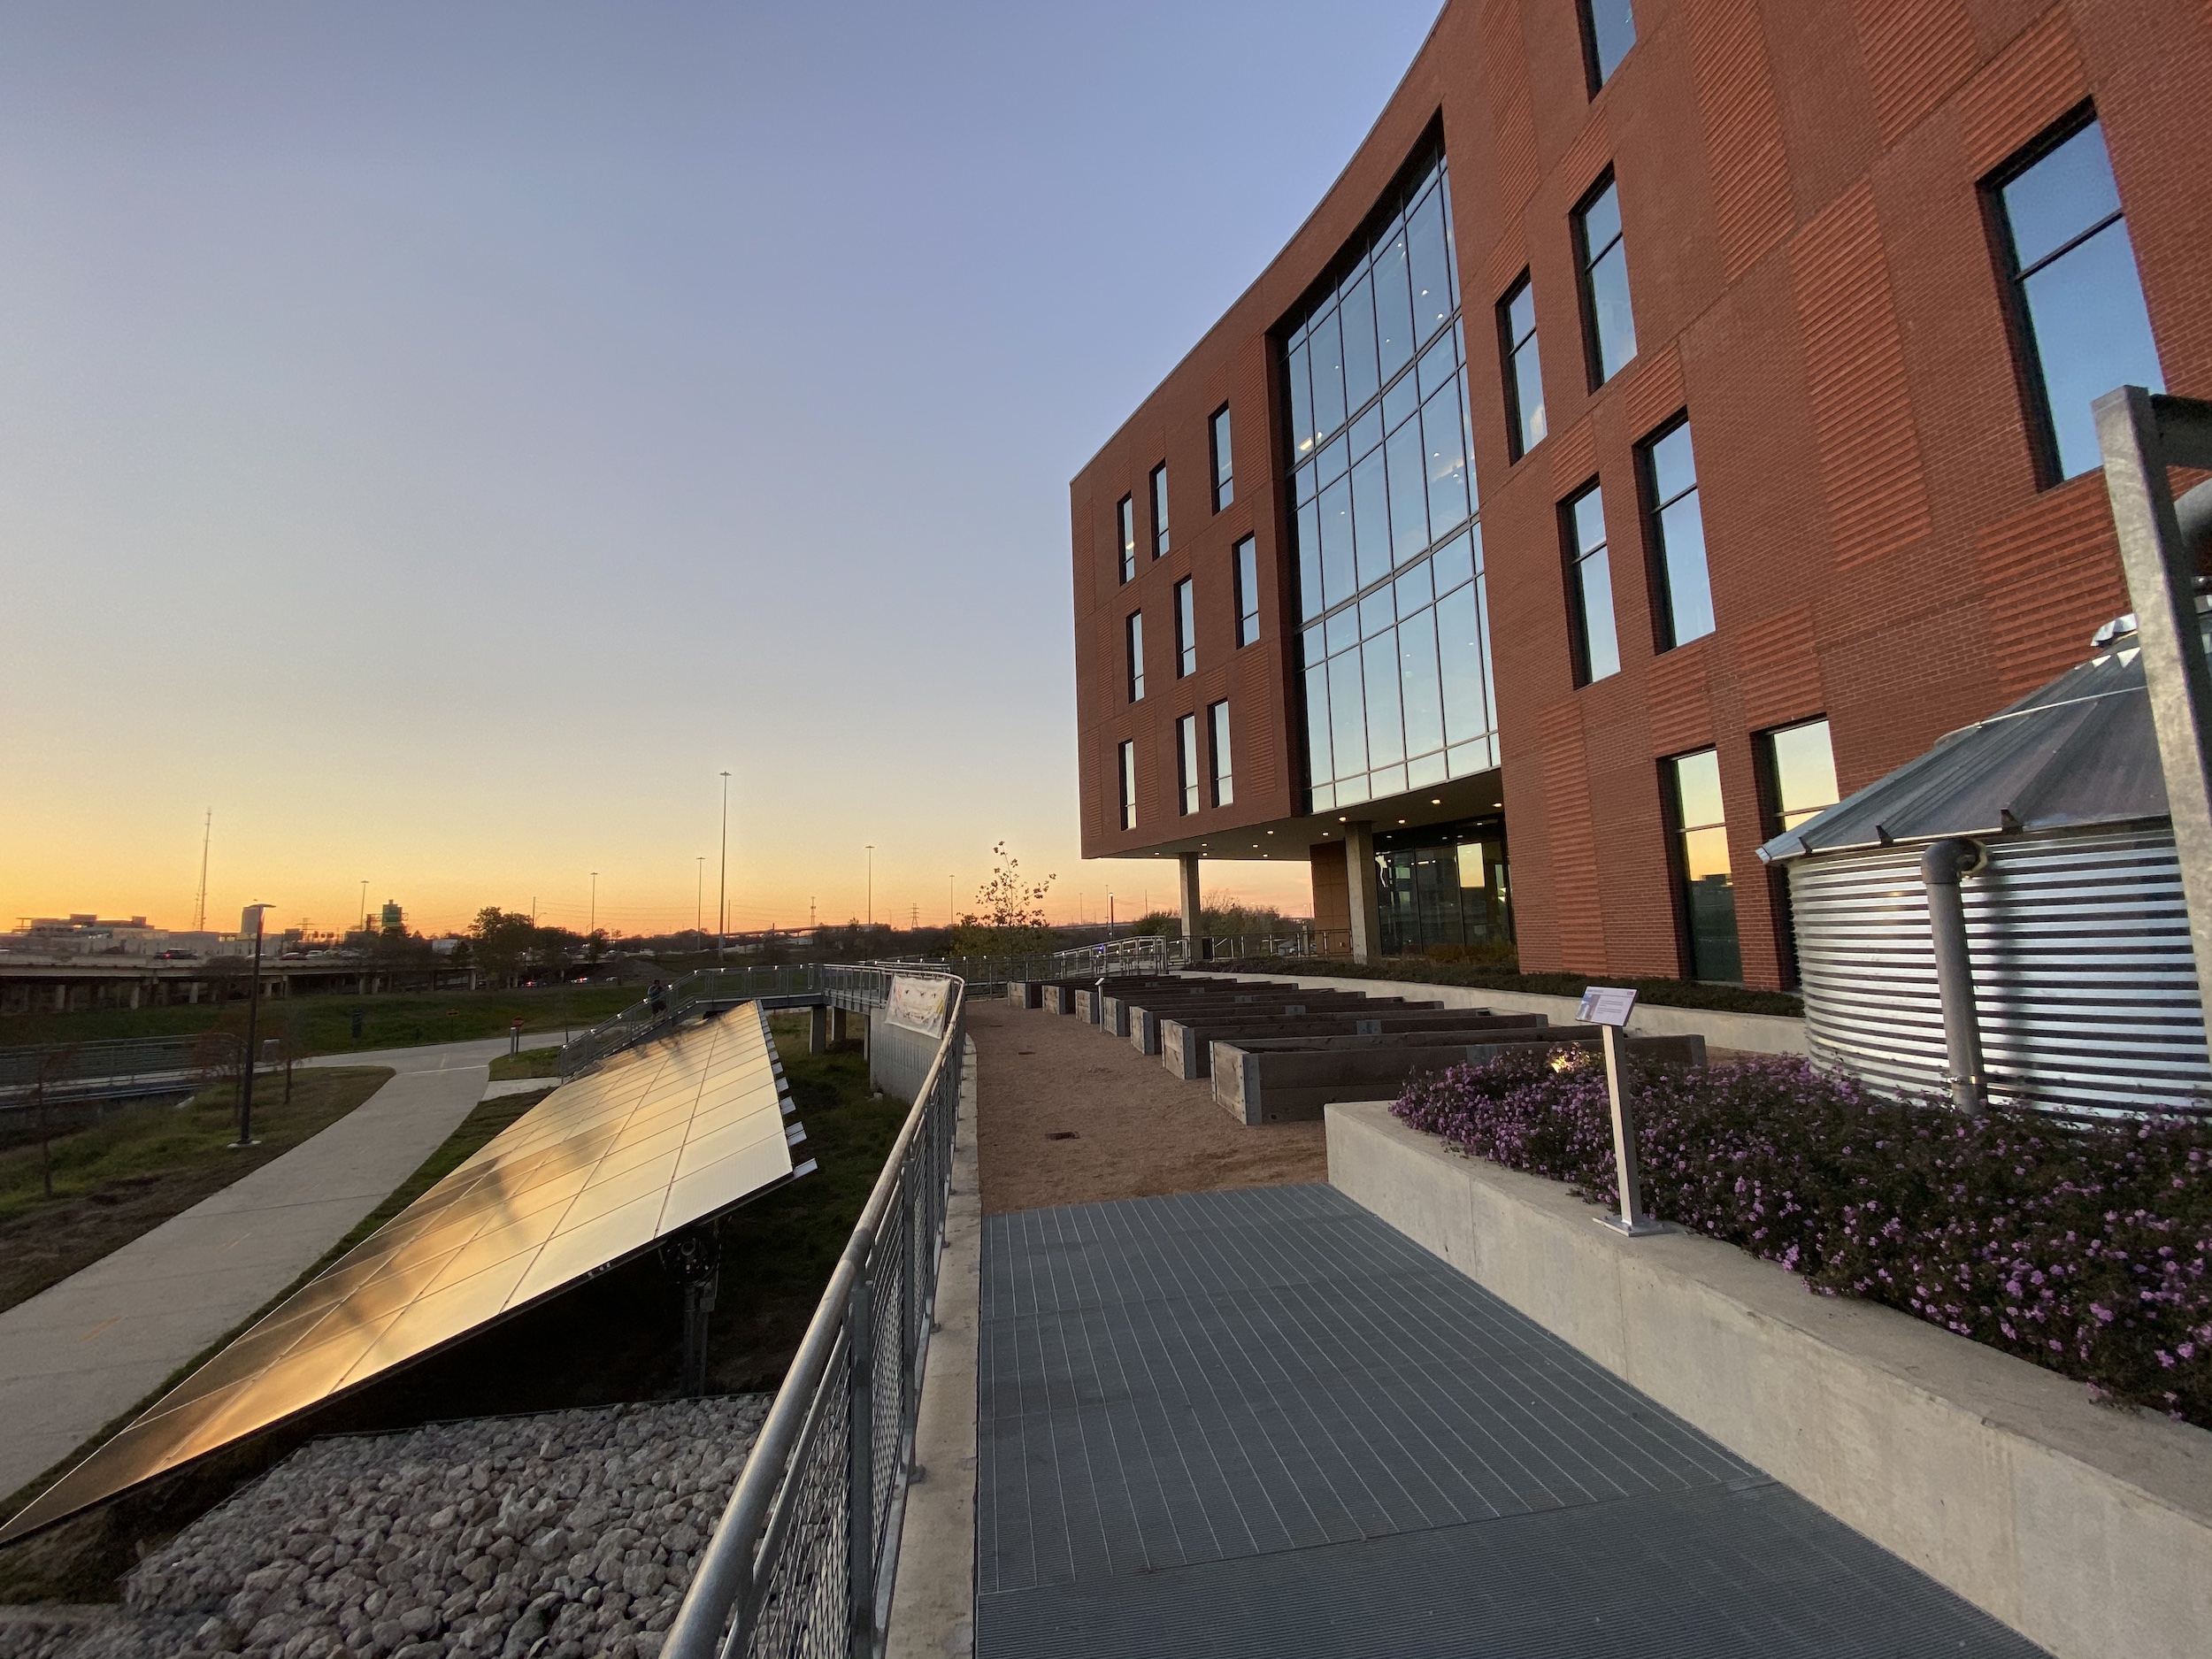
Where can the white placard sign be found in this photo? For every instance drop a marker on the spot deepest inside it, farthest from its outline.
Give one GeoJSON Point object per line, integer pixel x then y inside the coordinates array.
{"type": "Point", "coordinates": [1606, 1005]}
{"type": "Point", "coordinates": [917, 1004]}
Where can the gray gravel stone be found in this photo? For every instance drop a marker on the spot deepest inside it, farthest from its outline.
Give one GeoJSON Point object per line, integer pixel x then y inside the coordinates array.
{"type": "Point", "coordinates": [571, 1533]}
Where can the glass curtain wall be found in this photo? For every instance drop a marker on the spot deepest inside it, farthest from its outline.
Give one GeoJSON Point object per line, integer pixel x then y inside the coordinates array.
{"type": "Point", "coordinates": [1394, 635]}
{"type": "Point", "coordinates": [1444, 887]}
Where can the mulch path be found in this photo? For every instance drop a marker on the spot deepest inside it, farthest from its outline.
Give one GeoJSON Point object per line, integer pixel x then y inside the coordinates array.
{"type": "Point", "coordinates": [1131, 1129]}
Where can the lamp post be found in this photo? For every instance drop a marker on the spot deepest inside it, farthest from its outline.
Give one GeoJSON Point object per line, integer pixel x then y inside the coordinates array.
{"type": "Point", "coordinates": [593, 926]}
{"type": "Point", "coordinates": [699, 903]}
{"type": "Point", "coordinates": [253, 913]}
{"type": "Point", "coordinates": [722, 896]}
{"type": "Point", "coordinates": [950, 922]}
{"type": "Point", "coordinates": [872, 884]}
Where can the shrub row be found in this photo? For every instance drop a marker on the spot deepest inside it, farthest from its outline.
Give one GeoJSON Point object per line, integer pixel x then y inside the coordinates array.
{"type": "Point", "coordinates": [1733, 999]}
{"type": "Point", "coordinates": [2081, 1248]}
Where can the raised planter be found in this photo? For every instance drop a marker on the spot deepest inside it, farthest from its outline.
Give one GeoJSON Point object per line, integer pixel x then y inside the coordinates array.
{"type": "Point", "coordinates": [1752, 1033]}
{"type": "Point", "coordinates": [2086, 1529]}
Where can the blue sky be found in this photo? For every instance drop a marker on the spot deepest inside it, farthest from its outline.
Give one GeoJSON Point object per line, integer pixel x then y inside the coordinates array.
{"type": "Point", "coordinates": [441, 439]}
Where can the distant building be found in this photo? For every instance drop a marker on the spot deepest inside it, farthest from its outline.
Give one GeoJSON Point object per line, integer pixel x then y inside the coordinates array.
{"type": "Point", "coordinates": [392, 919]}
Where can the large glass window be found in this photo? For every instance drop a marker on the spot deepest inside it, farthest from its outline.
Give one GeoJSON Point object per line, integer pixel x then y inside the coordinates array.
{"type": "Point", "coordinates": [1395, 647]}
{"type": "Point", "coordinates": [1608, 29]}
{"type": "Point", "coordinates": [1801, 774]}
{"type": "Point", "coordinates": [1709, 893]}
{"type": "Point", "coordinates": [1609, 326]}
{"type": "Point", "coordinates": [2077, 299]}
{"type": "Point", "coordinates": [1132, 640]}
{"type": "Point", "coordinates": [1126, 514]}
{"type": "Point", "coordinates": [1590, 586]}
{"type": "Point", "coordinates": [1524, 425]}
{"type": "Point", "coordinates": [1678, 538]}
{"type": "Point", "coordinates": [1127, 767]}
{"type": "Point", "coordinates": [1159, 511]}
{"type": "Point", "coordinates": [1187, 763]}
{"type": "Point", "coordinates": [1225, 464]}
{"type": "Point", "coordinates": [1185, 630]}
{"type": "Point", "coordinates": [1247, 583]}
{"type": "Point", "coordinates": [1218, 733]}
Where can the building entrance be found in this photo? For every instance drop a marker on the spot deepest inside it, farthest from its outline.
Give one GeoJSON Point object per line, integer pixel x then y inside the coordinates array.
{"type": "Point", "coordinates": [1446, 884]}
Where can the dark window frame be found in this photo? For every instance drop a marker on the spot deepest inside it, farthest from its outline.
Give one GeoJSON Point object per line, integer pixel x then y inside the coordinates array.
{"type": "Point", "coordinates": [1133, 654]}
{"type": "Point", "coordinates": [2012, 294]}
{"type": "Point", "coordinates": [1678, 865]}
{"type": "Point", "coordinates": [1189, 796]}
{"type": "Point", "coordinates": [1570, 557]}
{"type": "Point", "coordinates": [1159, 511]}
{"type": "Point", "coordinates": [1248, 594]}
{"type": "Point", "coordinates": [1768, 775]}
{"type": "Point", "coordinates": [1509, 373]}
{"type": "Point", "coordinates": [1592, 71]}
{"type": "Point", "coordinates": [1126, 533]}
{"type": "Point", "coordinates": [1225, 466]}
{"type": "Point", "coordinates": [1585, 292]}
{"type": "Point", "coordinates": [1125, 781]}
{"type": "Point", "coordinates": [1185, 597]}
{"type": "Point", "coordinates": [1653, 534]}
{"type": "Point", "coordinates": [1218, 774]}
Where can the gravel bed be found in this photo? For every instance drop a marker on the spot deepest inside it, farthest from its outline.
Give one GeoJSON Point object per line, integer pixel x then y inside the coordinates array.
{"type": "Point", "coordinates": [553, 1537]}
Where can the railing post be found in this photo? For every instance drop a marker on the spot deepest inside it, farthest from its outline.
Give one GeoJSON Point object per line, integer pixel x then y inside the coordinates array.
{"type": "Point", "coordinates": [860, 1467]}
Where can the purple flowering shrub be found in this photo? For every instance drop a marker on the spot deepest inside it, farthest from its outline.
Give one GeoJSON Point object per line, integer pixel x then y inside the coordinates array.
{"type": "Point", "coordinates": [2083, 1247]}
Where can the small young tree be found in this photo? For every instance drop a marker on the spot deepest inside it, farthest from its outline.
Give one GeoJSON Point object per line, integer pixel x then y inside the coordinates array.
{"type": "Point", "coordinates": [1009, 915]}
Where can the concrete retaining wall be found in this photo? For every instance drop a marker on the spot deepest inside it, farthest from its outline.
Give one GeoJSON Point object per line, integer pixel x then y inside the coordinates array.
{"type": "Point", "coordinates": [2086, 1529]}
{"type": "Point", "coordinates": [1754, 1033]}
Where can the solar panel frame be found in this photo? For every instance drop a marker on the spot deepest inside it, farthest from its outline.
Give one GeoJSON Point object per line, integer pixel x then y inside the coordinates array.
{"type": "Point", "coordinates": [659, 1138]}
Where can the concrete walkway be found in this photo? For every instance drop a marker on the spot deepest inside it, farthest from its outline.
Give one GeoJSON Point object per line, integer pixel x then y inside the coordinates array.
{"type": "Point", "coordinates": [80, 1355]}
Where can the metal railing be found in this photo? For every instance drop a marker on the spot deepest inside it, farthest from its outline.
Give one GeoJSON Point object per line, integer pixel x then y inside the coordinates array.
{"type": "Point", "coordinates": [115, 1069]}
{"type": "Point", "coordinates": [802, 1561]}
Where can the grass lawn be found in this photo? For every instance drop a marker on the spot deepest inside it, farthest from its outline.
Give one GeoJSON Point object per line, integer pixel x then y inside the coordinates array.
{"type": "Point", "coordinates": [130, 1172]}
{"type": "Point", "coordinates": [326, 1022]}
{"type": "Point", "coordinates": [530, 1063]}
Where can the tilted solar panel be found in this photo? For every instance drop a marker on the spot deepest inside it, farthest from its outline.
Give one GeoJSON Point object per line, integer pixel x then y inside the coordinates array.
{"type": "Point", "coordinates": [665, 1134]}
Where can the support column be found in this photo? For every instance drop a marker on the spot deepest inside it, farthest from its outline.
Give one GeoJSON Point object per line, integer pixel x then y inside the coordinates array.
{"type": "Point", "coordinates": [1194, 911]}
{"type": "Point", "coordinates": [818, 1037]}
{"type": "Point", "coordinates": [1359, 881]}
{"type": "Point", "coordinates": [837, 1025]}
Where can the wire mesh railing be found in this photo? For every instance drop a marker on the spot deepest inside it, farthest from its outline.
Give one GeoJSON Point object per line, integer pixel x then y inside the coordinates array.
{"type": "Point", "coordinates": [116, 1068]}
{"type": "Point", "coordinates": [801, 1562]}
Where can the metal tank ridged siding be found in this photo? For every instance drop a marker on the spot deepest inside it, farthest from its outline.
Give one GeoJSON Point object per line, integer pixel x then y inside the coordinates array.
{"type": "Point", "coordinates": [2082, 968]}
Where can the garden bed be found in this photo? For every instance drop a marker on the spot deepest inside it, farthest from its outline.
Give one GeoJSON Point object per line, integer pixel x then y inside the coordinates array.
{"type": "Point", "coordinates": [2083, 1248]}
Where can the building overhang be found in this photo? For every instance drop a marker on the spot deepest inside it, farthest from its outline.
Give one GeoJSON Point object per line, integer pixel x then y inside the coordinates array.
{"type": "Point", "coordinates": [1293, 838]}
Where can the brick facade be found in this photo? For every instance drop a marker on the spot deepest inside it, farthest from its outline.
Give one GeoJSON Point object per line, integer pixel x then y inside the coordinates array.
{"type": "Point", "coordinates": [1813, 281]}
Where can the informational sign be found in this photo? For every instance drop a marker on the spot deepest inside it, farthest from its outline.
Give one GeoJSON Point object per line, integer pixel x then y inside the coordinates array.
{"type": "Point", "coordinates": [1606, 1005]}
{"type": "Point", "coordinates": [917, 1004]}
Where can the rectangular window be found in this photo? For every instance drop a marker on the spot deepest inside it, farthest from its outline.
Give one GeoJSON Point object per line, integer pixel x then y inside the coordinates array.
{"type": "Point", "coordinates": [1709, 893]}
{"type": "Point", "coordinates": [1132, 634]}
{"type": "Point", "coordinates": [1524, 371]}
{"type": "Point", "coordinates": [1187, 762]}
{"type": "Point", "coordinates": [1608, 29]}
{"type": "Point", "coordinates": [1589, 586]}
{"type": "Point", "coordinates": [1159, 511]}
{"type": "Point", "coordinates": [1225, 464]}
{"type": "Point", "coordinates": [1129, 786]}
{"type": "Point", "coordinates": [1800, 773]}
{"type": "Point", "coordinates": [1609, 326]}
{"type": "Point", "coordinates": [1217, 733]}
{"type": "Point", "coordinates": [2078, 315]}
{"type": "Point", "coordinates": [1128, 528]}
{"type": "Point", "coordinates": [1684, 612]}
{"type": "Point", "coordinates": [1248, 580]}
{"type": "Point", "coordinates": [1185, 630]}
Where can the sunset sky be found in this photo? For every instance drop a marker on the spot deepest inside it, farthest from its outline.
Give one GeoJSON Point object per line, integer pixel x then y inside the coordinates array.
{"type": "Point", "coordinates": [440, 440]}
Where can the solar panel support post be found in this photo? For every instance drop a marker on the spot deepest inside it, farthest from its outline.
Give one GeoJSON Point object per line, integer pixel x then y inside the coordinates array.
{"type": "Point", "coordinates": [2141, 435]}
{"type": "Point", "coordinates": [860, 1466]}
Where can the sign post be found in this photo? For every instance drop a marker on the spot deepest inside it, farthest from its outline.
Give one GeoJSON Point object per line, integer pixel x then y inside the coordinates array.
{"type": "Point", "coordinates": [1608, 1008]}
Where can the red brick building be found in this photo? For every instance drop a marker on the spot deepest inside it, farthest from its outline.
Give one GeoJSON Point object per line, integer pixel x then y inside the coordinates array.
{"type": "Point", "coordinates": [1770, 326]}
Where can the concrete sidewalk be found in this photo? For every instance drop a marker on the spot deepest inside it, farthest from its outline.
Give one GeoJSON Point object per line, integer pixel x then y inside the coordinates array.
{"type": "Point", "coordinates": [78, 1354]}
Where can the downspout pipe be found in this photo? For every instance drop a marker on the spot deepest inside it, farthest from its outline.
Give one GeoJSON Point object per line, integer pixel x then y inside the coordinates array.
{"type": "Point", "coordinates": [1941, 866]}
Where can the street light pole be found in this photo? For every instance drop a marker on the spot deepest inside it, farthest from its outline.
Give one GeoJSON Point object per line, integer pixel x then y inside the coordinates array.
{"type": "Point", "coordinates": [253, 1032]}
{"type": "Point", "coordinates": [949, 920]}
{"type": "Point", "coordinates": [872, 884]}
{"type": "Point", "coordinates": [593, 926]}
{"type": "Point", "coordinates": [722, 896]}
{"type": "Point", "coordinates": [699, 903]}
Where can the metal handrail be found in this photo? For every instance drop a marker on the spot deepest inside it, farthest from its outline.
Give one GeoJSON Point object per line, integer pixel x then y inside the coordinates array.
{"type": "Point", "coordinates": [802, 1558]}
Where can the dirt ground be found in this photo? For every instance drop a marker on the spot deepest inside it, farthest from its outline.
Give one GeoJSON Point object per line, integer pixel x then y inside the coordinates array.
{"type": "Point", "coordinates": [1133, 1131]}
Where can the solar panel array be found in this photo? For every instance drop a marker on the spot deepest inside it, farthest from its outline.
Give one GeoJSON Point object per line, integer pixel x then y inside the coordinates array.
{"type": "Point", "coordinates": [663, 1135]}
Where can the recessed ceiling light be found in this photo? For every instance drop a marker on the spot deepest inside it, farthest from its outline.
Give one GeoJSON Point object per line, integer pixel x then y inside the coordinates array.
{"type": "Point", "coordinates": [1438, 802]}
{"type": "Point", "coordinates": [1401, 820]}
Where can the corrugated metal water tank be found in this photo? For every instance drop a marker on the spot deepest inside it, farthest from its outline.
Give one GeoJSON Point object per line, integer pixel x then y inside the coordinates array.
{"type": "Point", "coordinates": [2082, 969]}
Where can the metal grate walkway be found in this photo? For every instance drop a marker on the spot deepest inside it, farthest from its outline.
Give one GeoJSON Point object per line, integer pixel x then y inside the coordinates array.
{"type": "Point", "coordinates": [1262, 1422]}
